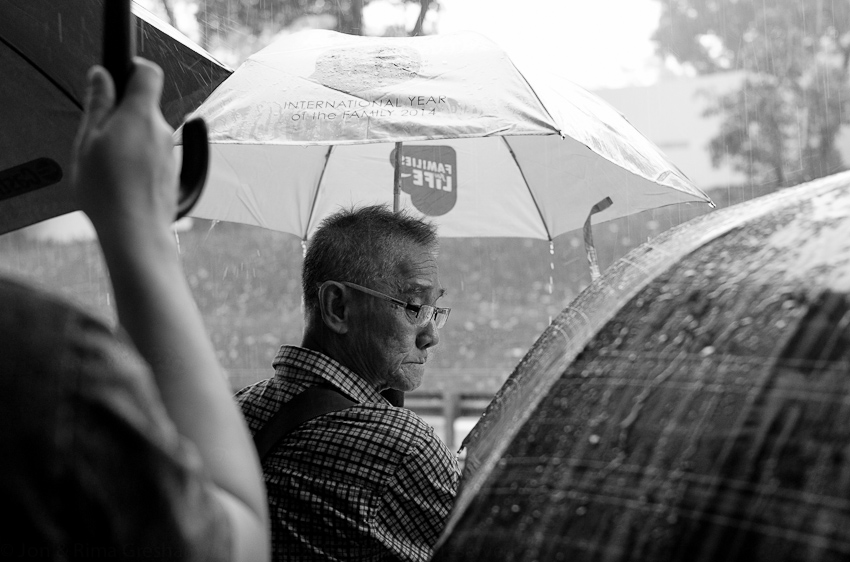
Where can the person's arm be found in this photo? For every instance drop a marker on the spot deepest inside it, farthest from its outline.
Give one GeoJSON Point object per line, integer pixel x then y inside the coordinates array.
{"type": "Point", "coordinates": [420, 496]}
{"type": "Point", "coordinates": [126, 179]}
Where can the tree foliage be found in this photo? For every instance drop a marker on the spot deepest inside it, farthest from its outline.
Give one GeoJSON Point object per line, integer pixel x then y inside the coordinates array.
{"type": "Point", "coordinates": [221, 19]}
{"type": "Point", "coordinates": [781, 126]}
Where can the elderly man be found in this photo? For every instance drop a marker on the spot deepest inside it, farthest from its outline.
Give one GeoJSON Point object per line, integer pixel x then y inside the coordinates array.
{"type": "Point", "coordinates": [369, 481]}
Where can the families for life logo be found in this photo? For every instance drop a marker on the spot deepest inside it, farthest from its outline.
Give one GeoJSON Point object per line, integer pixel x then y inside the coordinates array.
{"type": "Point", "coordinates": [429, 176]}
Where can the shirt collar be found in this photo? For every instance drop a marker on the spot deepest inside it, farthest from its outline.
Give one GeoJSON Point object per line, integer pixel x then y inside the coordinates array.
{"type": "Point", "coordinates": [291, 358]}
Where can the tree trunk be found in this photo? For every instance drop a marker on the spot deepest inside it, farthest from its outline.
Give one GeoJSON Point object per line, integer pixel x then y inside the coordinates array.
{"type": "Point", "coordinates": [170, 13]}
{"type": "Point", "coordinates": [420, 21]}
{"type": "Point", "coordinates": [779, 174]}
{"type": "Point", "coordinates": [351, 22]}
{"type": "Point", "coordinates": [202, 17]}
{"type": "Point", "coordinates": [357, 16]}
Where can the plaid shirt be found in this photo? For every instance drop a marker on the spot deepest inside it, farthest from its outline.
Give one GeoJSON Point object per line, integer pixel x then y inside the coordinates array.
{"type": "Point", "coordinates": [371, 482]}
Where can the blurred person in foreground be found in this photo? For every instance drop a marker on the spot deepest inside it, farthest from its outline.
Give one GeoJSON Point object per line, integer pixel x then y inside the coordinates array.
{"type": "Point", "coordinates": [117, 448]}
{"type": "Point", "coordinates": [371, 481]}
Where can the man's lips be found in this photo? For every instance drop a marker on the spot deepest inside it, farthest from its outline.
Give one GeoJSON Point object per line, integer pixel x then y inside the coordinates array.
{"type": "Point", "coordinates": [416, 362]}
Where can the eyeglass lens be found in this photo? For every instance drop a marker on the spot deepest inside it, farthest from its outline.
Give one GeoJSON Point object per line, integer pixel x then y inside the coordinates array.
{"type": "Point", "coordinates": [427, 312]}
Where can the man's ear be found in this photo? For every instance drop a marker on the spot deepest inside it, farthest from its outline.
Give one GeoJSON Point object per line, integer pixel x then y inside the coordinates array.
{"type": "Point", "coordinates": [334, 306]}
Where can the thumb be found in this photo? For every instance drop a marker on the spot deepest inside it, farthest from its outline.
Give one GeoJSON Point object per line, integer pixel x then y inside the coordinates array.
{"type": "Point", "coordinates": [145, 85]}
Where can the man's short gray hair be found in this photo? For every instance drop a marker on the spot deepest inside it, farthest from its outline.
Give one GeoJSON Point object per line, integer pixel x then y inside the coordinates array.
{"type": "Point", "coordinates": [363, 245]}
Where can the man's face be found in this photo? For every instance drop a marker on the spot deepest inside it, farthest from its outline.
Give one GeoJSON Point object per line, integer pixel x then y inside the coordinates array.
{"type": "Point", "coordinates": [388, 349]}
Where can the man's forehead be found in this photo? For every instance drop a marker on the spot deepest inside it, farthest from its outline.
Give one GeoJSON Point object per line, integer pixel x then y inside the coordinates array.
{"type": "Point", "coordinates": [423, 279]}
{"type": "Point", "coordinates": [418, 262]}
{"type": "Point", "coordinates": [423, 286]}
{"type": "Point", "coordinates": [418, 273]}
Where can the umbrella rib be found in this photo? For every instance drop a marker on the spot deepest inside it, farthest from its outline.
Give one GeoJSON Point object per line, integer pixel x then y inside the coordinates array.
{"type": "Point", "coordinates": [29, 61]}
{"type": "Point", "coordinates": [536, 96]}
{"type": "Point", "coordinates": [528, 187]}
{"type": "Point", "coordinates": [316, 192]}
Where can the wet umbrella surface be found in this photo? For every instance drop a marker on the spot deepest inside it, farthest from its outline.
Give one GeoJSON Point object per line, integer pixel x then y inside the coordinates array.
{"type": "Point", "coordinates": [46, 48]}
{"type": "Point", "coordinates": [692, 404]}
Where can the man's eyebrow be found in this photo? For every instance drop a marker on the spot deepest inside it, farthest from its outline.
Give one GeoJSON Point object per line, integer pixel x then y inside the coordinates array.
{"type": "Point", "coordinates": [420, 289]}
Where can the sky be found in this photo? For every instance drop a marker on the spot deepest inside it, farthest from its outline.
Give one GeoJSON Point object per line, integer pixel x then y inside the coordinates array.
{"type": "Point", "coordinates": [595, 43]}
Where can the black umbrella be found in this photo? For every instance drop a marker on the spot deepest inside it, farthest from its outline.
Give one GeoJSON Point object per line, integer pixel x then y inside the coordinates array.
{"type": "Point", "coordinates": [692, 404]}
{"type": "Point", "coordinates": [46, 47]}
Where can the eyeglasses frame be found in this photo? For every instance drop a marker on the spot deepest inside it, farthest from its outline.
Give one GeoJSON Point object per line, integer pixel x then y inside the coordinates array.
{"type": "Point", "coordinates": [417, 308]}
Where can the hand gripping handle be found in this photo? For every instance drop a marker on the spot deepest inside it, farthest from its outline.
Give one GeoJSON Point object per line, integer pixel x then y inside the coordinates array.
{"type": "Point", "coordinates": [118, 51]}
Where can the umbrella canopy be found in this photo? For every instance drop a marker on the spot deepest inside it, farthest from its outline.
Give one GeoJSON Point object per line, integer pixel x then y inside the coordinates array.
{"type": "Point", "coordinates": [314, 121]}
{"type": "Point", "coordinates": [46, 47]}
{"type": "Point", "coordinates": [691, 404]}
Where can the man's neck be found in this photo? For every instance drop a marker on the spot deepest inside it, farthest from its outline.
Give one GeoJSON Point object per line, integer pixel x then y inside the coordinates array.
{"type": "Point", "coordinates": [328, 344]}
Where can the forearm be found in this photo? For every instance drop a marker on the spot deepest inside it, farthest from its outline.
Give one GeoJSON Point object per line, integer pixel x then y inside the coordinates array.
{"type": "Point", "coordinates": [156, 308]}
{"type": "Point", "coordinates": [126, 179]}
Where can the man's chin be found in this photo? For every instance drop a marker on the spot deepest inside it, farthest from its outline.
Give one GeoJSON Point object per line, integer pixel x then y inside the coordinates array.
{"type": "Point", "coordinates": [409, 377]}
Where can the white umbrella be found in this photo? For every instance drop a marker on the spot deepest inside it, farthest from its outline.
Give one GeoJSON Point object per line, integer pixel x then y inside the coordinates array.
{"type": "Point", "coordinates": [314, 122]}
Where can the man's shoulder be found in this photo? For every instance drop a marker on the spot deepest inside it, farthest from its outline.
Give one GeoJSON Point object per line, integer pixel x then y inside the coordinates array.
{"type": "Point", "coordinates": [389, 413]}
{"type": "Point", "coordinates": [405, 436]}
{"type": "Point", "coordinates": [259, 402]}
{"type": "Point", "coordinates": [252, 390]}
{"type": "Point", "coordinates": [400, 426]}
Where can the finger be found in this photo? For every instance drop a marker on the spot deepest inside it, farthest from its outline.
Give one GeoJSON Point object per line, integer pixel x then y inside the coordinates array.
{"type": "Point", "coordinates": [145, 86]}
{"type": "Point", "coordinates": [100, 97]}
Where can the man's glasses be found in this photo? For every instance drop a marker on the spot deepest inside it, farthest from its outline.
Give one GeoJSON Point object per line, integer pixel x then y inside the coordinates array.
{"type": "Point", "coordinates": [419, 314]}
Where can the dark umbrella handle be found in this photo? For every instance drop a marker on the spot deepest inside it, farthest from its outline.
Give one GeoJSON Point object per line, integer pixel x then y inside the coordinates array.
{"type": "Point", "coordinates": [196, 161]}
{"type": "Point", "coordinates": [118, 51]}
{"type": "Point", "coordinates": [118, 44]}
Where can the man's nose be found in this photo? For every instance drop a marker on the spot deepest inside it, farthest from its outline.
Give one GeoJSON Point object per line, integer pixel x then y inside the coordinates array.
{"type": "Point", "coordinates": [428, 336]}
